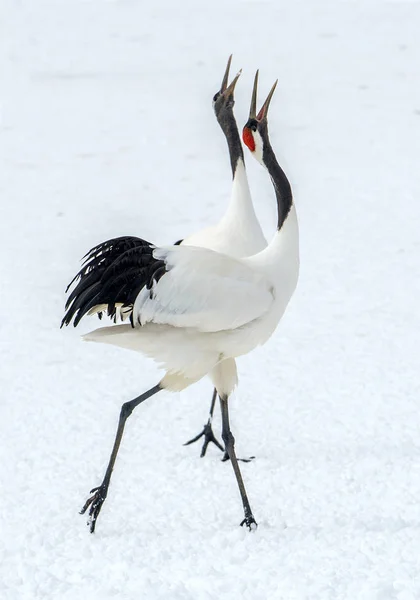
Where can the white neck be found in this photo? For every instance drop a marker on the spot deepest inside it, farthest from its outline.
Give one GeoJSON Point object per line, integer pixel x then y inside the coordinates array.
{"type": "Point", "coordinates": [240, 211]}
{"type": "Point", "coordinates": [280, 260]}
{"type": "Point", "coordinates": [286, 240]}
{"type": "Point", "coordinates": [258, 151]}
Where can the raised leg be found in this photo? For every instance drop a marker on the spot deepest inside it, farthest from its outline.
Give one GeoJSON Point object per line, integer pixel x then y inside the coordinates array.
{"type": "Point", "coordinates": [100, 493]}
{"type": "Point", "coordinates": [229, 440]}
{"type": "Point", "coordinates": [207, 432]}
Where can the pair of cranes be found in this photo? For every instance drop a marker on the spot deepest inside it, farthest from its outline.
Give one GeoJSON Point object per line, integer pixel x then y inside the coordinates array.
{"type": "Point", "coordinates": [197, 305]}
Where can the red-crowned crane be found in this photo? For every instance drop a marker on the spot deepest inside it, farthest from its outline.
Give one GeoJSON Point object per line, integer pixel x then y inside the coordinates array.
{"type": "Point", "coordinates": [238, 233]}
{"type": "Point", "coordinates": [193, 310]}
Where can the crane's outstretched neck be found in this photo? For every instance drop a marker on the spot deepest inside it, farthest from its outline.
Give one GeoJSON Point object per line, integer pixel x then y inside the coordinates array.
{"type": "Point", "coordinates": [229, 127]}
{"type": "Point", "coordinates": [240, 215]}
{"type": "Point", "coordinates": [281, 257]}
{"type": "Point", "coordinates": [279, 179]}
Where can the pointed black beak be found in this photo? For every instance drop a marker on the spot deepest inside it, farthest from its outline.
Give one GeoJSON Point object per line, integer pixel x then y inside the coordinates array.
{"type": "Point", "coordinates": [253, 107]}
{"type": "Point", "coordinates": [228, 90]}
{"type": "Point", "coordinates": [226, 75]}
{"type": "Point", "coordinates": [264, 109]}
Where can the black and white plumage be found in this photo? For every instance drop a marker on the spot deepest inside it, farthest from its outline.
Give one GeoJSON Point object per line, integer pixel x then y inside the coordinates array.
{"type": "Point", "coordinates": [238, 233]}
{"type": "Point", "coordinates": [175, 286]}
{"type": "Point", "coordinates": [194, 310]}
{"type": "Point", "coordinates": [112, 275]}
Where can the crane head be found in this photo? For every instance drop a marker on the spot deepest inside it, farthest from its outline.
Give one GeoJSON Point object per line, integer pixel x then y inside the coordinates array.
{"type": "Point", "coordinates": [224, 98]}
{"type": "Point", "coordinates": [255, 131]}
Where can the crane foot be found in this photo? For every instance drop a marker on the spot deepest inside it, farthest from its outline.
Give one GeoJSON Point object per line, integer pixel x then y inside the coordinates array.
{"type": "Point", "coordinates": [209, 437]}
{"type": "Point", "coordinates": [250, 522]}
{"type": "Point", "coordinates": [245, 460]}
{"type": "Point", "coordinates": [95, 503]}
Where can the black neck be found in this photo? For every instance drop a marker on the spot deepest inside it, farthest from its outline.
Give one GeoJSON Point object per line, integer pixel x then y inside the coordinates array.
{"type": "Point", "coordinates": [229, 127]}
{"type": "Point", "coordinates": [281, 184]}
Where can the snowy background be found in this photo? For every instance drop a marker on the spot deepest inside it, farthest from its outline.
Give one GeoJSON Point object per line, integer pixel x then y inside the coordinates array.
{"type": "Point", "coordinates": [106, 129]}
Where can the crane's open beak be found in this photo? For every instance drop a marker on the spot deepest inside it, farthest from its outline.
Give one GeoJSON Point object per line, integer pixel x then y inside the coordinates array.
{"type": "Point", "coordinates": [264, 109]}
{"type": "Point", "coordinates": [226, 75]}
{"type": "Point", "coordinates": [253, 107]}
{"type": "Point", "coordinates": [227, 90]}
{"type": "Point", "coordinates": [254, 118]}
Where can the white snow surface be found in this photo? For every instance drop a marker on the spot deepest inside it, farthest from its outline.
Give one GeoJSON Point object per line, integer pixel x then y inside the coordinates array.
{"type": "Point", "coordinates": [107, 129]}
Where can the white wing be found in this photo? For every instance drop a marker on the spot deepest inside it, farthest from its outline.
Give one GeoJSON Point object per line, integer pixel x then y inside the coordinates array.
{"type": "Point", "coordinates": [205, 290]}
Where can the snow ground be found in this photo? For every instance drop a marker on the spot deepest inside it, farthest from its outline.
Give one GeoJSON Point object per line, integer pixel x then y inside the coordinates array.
{"type": "Point", "coordinates": [107, 129]}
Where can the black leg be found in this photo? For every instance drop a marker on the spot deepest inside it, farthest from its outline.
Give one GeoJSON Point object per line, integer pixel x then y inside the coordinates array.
{"type": "Point", "coordinates": [96, 501]}
{"type": "Point", "coordinates": [207, 431]}
{"type": "Point", "coordinates": [229, 440]}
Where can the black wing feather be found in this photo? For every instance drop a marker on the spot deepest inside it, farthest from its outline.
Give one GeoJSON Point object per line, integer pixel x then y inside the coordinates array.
{"type": "Point", "coordinates": [113, 273]}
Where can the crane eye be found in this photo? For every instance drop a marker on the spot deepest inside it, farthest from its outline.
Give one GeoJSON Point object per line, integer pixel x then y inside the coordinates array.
{"type": "Point", "coordinates": [252, 124]}
{"type": "Point", "coordinates": [216, 96]}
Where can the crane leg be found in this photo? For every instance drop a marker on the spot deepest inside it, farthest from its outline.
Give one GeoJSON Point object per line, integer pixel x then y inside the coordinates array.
{"type": "Point", "coordinates": [94, 503]}
{"type": "Point", "coordinates": [229, 440]}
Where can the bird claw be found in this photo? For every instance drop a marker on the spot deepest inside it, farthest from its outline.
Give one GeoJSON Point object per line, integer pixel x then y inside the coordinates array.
{"type": "Point", "coordinates": [250, 522]}
{"type": "Point", "coordinates": [245, 460]}
{"type": "Point", "coordinates": [95, 503]}
{"type": "Point", "coordinates": [209, 436]}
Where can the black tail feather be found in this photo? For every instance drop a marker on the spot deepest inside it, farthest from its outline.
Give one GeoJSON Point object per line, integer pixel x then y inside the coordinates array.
{"type": "Point", "coordinates": [113, 272]}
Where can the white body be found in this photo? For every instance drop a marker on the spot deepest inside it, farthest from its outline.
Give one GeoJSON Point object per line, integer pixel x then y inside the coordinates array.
{"type": "Point", "coordinates": [217, 301]}
{"type": "Point", "coordinates": [185, 355]}
{"type": "Point", "coordinates": [209, 308]}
